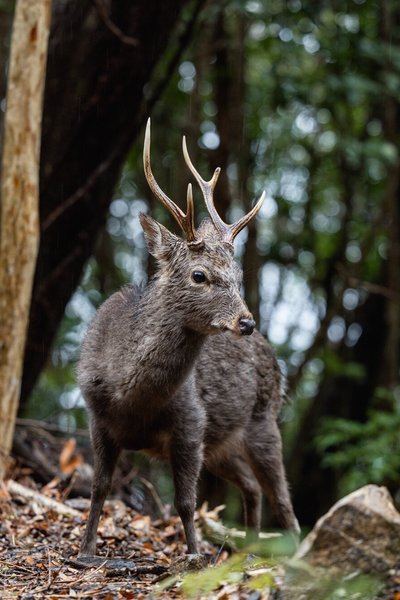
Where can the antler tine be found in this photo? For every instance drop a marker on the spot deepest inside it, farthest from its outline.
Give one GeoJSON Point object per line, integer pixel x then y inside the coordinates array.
{"type": "Point", "coordinates": [189, 218]}
{"type": "Point", "coordinates": [185, 222]}
{"type": "Point", "coordinates": [243, 221]}
{"type": "Point", "coordinates": [229, 232]}
{"type": "Point", "coordinates": [207, 188]}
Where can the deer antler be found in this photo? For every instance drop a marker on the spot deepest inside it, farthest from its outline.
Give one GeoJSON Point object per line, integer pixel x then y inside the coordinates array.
{"type": "Point", "coordinates": [228, 232]}
{"type": "Point", "coordinates": [185, 221]}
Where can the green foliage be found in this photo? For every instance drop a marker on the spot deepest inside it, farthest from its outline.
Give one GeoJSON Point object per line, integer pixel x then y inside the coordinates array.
{"type": "Point", "coordinates": [361, 587]}
{"type": "Point", "coordinates": [322, 585]}
{"type": "Point", "coordinates": [336, 365]}
{"type": "Point", "coordinates": [204, 582]}
{"type": "Point", "coordinates": [255, 573]}
{"type": "Point", "coordinates": [238, 569]}
{"type": "Point", "coordinates": [363, 452]}
{"type": "Point", "coordinates": [7, 6]}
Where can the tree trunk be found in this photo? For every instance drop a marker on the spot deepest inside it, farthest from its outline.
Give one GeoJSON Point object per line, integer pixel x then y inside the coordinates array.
{"type": "Point", "coordinates": [19, 230]}
{"type": "Point", "coordinates": [5, 34]}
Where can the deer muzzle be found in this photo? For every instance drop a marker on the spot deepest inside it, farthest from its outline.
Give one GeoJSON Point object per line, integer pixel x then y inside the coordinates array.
{"type": "Point", "coordinates": [239, 326]}
{"type": "Point", "coordinates": [246, 326]}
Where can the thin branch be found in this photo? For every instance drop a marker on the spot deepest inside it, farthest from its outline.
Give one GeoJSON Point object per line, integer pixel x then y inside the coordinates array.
{"type": "Point", "coordinates": [373, 288]}
{"type": "Point", "coordinates": [156, 497]}
{"type": "Point", "coordinates": [53, 275]}
{"type": "Point", "coordinates": [80, 192]}
{"type": "Point", "coordinates": [182, 42]}
{"type": "Point", "coordinates": [34, 423]}
{"type": "Point", "coordinates": [105, 17]}
{"type": "Point", "coordinates": [18, 567]}
{"type": "Point", "coordinates": [112, 566]}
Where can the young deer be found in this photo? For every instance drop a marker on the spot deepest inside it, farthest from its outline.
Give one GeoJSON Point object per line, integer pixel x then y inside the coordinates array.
{"type": "Point", "coordinates": [159, 375]}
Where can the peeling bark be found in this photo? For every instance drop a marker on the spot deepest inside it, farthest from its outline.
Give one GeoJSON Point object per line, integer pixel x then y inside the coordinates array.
{"type": "Point", "coordinates": [19, 226]}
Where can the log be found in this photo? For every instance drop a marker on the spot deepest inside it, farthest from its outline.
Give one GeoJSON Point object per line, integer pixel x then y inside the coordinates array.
{"type": "Point", "coordinates": [17, 490]}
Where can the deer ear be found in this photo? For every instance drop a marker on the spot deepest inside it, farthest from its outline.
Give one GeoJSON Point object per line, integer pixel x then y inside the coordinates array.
{"type": "Point", "coordinates": [160, 242]}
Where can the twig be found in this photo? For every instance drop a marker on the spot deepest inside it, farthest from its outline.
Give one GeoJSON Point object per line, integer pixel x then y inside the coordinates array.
{"type": "Point", "coordinates": [49, 569]}
{"type": "Point", "coordinates": [126, 479]}
{"type": "Point", "coordinates": [80, 192]}
{"type": "Point", "coordinates": [55, 273]}
{"type": "Point", "coordinates": [50, 427]}
{"type": "Point", "coordinates": [222, 546]}
{"type": "Point", "coordinates": [86, 575]}
{"type": "Point", "coordinates": [125, 39]}
{"type": "Point", "coordinates": [51, 576]}
{"type": "Point", "coordinates": [17, 566]}
{"type": "Point", "coordinates": [16, 489]}
{"type": "Point", "coordinates": [114, 565]}
{"type": "Point", "coordinates": [155, 495]}
{"type": "Point", "coordinates": [373, 288]}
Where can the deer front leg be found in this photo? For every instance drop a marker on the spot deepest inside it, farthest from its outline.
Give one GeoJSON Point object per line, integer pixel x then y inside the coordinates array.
{"type": "Point", "coordinates": [186, 455]}
{"type": "Point", "coordinates": [105, 455]}
{"type": "Point", "coordinates": [186, 461]}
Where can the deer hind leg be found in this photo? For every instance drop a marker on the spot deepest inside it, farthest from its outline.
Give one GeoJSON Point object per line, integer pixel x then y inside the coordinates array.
{"type": "Point", "coordinates": [235, 469]}
{"type": "Point", "coordinates": [264, 449]}
{"type": "Point", "coordinates": [105, 455]}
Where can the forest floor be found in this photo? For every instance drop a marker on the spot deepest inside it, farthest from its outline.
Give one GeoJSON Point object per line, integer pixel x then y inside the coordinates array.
{"type": "Point", "coordinates": [139, 556]}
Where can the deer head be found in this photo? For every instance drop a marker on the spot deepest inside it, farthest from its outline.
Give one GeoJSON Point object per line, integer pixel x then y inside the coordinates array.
{"type": "Point", "coordinates": [200, 276]}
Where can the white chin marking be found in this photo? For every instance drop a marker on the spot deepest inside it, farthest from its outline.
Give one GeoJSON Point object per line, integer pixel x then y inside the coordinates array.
{"type": "Point", "coordinates": [225, 329]}
{"type": "Point", "coordinates": [233, 333]}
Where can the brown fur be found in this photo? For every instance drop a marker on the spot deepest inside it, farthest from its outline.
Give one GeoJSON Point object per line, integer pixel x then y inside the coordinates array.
{"type": "Point", "coordinates": [156, 378]}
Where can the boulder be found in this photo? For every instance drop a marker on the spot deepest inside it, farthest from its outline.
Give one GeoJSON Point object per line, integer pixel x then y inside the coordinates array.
{"type": "Point", "coordinates": [360, 533]}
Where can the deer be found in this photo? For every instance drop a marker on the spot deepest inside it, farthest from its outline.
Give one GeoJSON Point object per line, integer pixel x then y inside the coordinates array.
{"type": "Point", "coordinates": [178, 371]}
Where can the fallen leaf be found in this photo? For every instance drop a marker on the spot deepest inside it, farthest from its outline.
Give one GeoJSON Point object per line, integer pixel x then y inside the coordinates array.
{"type": "Point", "coordinates": [67, 461]}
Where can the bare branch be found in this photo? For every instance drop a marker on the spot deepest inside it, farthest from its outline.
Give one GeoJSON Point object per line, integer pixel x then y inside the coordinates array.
{"type": "Point", "coordinates": [125, 39]}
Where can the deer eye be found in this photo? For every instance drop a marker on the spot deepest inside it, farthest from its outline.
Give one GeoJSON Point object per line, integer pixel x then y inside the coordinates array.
{"type": "Point", "coordinates": [198, 276]}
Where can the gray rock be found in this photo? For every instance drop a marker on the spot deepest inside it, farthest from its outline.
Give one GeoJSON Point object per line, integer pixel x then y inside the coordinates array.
{"type": "Point", "coordinates": [360, 533]}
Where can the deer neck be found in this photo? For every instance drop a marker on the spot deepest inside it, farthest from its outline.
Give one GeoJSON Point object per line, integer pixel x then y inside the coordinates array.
{"type": "Point", "coordinates": [167, 348]}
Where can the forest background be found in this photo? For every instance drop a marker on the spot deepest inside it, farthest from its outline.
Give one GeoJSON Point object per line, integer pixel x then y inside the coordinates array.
{"type": "Point", "coordinates": [300, 98]}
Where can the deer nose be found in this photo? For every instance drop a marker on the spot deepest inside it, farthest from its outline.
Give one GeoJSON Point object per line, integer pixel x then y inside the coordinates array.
{"type": "Point", "coordinates": [246, 326]}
